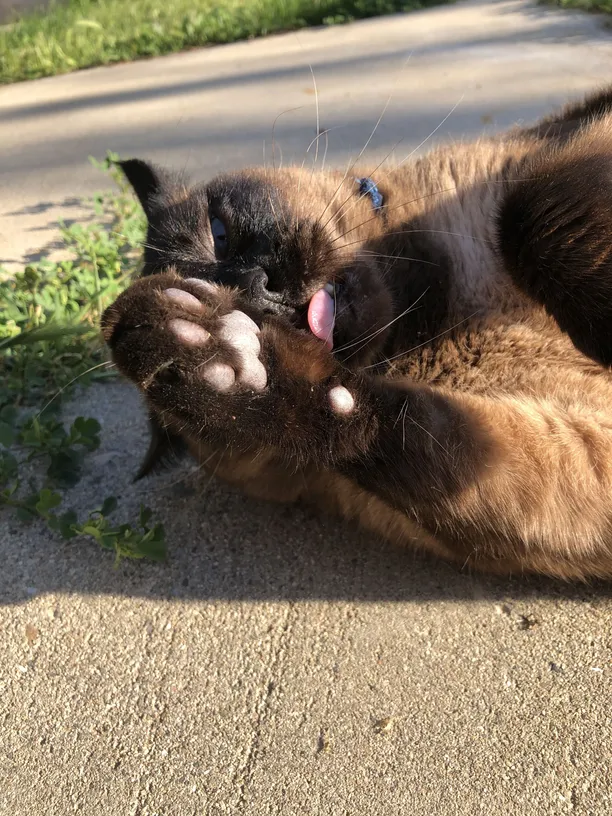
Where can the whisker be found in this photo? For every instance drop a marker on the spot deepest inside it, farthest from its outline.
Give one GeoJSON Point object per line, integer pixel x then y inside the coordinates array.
{"type": "Point", "coordinates": [144, 245]}
{"type": "Point", "coordinates": [280, 150]}
{"type": "Point", "coordinates": [356, 199]}
{"type": "Point", "coordinates": [208, 360]}
{"type": "Point", "coordinates": [216, 468]}
{"type": "Point", "coordinates": [333, 198]}
{"type": "Point", "coordinates": [395, 166]}
{"type": "Point", "coordinates": [314, 82]}
{"type": "Point", "coordinates": [396, 207]}
{"type": "Point", "coordinates": [402, 415]}
{"type": "Point", "coordinates": [424, 343]}
{"type": "Point", "coordinates": [282, 113]}
{"type": "Point", "coordinates": [383, 328]}
{"type": "Point", "coordinates": [105, 364]}
{"type": "Point", "coordinates": [434, 131]}
{"type": "Point", "coordinates": [348, 170]}
{"type": "Point", "coordinates": [398, 257]}
{"type": "Point", "coordinates": [274, 212]}
{"type": "Point", "coordinates": [182, 478]}
{"type": "Point", "coordinates": [318, 136]}
{"type": "Point", "coordinates": [326, 132]}
{"type": "Point", "coordinates": [331, 331]}
{"type": "Point", "coordinates": [364, 148]}
{"type": "Point", "coordinates": [429, 434]}
{"type": "Point", "coordinates": [412, 232]}
{"type": "Point", "coordinates": [315, 140]}
{"type": "Point", "coordinates": [356, 339]}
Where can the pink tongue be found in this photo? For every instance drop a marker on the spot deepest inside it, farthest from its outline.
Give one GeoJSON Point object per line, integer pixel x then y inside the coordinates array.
{"type": "Point", "coordinates": [321, 316]}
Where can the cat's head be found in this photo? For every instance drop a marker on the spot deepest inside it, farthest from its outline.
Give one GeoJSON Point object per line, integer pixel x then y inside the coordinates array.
{"type": "Point", "coordinates": [293, 241]}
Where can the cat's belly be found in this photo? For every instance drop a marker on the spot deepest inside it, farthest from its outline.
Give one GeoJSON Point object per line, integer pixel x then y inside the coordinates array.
{"type": "Point", "coordinates": [260, 473]}
{"type": "Point", "coordinates": [263, 476]}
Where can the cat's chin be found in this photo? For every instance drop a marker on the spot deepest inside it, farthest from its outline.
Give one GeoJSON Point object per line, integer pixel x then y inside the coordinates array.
{"type": "Point", "coordinates": [363, 312]}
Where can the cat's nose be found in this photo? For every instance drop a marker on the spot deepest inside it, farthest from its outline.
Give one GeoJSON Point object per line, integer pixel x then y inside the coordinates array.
{"type": "Point", "coordinates": [255, 284]}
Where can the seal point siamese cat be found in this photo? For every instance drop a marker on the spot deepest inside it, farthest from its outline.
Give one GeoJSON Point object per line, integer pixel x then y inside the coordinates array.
{"type": "Point", "coordinates": [423, 348]}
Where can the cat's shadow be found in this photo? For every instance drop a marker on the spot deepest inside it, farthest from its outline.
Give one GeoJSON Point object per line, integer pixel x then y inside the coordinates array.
{"type": "Point", "coordinates": [224, 546]}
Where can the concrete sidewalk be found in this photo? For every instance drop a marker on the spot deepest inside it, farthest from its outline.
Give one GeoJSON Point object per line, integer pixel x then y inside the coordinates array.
{"type": "Point", "coordinates": [282, 663]}
{"type": "Point", "coordinates": [490, 63]}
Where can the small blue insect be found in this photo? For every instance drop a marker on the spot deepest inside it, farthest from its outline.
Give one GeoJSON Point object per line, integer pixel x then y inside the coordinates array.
{"type": "Point", "coordinates": [369, 188]}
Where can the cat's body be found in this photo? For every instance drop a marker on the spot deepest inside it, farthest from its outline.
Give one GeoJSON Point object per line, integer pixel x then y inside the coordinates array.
{"type": "Point", "coordinates": [467, 404]}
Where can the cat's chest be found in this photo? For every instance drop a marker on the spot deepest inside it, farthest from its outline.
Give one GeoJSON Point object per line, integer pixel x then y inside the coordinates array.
{"type": "Point", "coordinates": [452, 226]}
{"type": "Point", "coordinates": [477, 282]}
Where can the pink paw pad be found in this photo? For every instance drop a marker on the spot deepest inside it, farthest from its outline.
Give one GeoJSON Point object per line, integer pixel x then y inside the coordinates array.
{"type": "Point", "coordinates": [240, 333]}
{"type": "Point", "coordinates": [219, 376]}
{"type": "Point", "coordinates": [206, 287]}
{"type": "Point", "coordinates": [341, 400]}
{"type": "Point", "coordinates": [187, 332]}
{"type": "Point", "coordinates": [186, 301]}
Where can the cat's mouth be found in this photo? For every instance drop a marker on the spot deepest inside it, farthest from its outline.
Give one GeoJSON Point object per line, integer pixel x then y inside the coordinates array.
{"type": "Point", "coordinates": [322, 314]}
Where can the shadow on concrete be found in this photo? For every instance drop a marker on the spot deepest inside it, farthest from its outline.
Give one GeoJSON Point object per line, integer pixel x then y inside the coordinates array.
{"type": "Point", "coordinates": [204, 148]}
{"type": "Point", "coordinates": [45, 206]}
{"type": "Point", "coordinates": [224, 546]}
{"type": "Point", "coordinates": [205, 139]}
{"type": "Point", "coordinates": [359, 64]}
{"type": "Point", "coordinates": [57, 209]}
{"type": "Point", "coordinates": [11, 9]}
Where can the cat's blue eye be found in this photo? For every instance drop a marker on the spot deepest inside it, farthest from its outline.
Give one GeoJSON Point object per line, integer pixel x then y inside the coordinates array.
{"type": "Point", "coordinates": [219, 234]}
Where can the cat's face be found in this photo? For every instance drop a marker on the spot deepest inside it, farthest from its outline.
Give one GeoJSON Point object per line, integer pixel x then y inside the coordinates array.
{"type": "Point", "coordinates": [293, 242]}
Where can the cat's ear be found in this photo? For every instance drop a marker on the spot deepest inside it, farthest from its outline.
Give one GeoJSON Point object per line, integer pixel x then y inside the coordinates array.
{"type": "Point", "coordinates": [153, 186]}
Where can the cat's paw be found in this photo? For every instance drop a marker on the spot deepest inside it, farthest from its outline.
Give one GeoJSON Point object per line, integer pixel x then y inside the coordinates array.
{"type": "Point", "coordinates": [166, 329]}
{"type": "Point", "coordinates": [233, 342]}
{"type": "Point", "coordinates": [209, 368]}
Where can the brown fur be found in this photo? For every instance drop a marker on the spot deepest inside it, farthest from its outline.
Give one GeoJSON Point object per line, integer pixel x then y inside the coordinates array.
{"type": "Point", "coordinates": [482, 428]}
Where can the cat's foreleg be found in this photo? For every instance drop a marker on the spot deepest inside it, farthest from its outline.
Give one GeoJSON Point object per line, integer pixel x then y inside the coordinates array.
{"type": "Point", "coordinates": [501, 482]}
{"type": "Point", "coordinates": [210, 371]}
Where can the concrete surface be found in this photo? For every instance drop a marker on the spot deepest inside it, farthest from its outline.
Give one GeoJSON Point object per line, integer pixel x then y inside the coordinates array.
{"type": "Point", "coordinates": [281, 663]}
{"type": "Point", "coordinates": [10, 8]}
{"type": "Point", "coordinates": [497, 62]}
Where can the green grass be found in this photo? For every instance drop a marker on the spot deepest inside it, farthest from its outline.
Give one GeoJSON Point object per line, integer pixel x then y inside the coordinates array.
{"type": "Point", "coordinates": [49, 345]}
{"type": "Point", "coordinates": [585, 5]}
{"type": "Point", "coordinates": [82, 33]}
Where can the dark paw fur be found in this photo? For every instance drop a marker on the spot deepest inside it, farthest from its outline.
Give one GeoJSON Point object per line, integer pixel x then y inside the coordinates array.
{"type": "Point", "coordinates": [207, 367]}
{"type": "Point", "coordinates": [157, 330]}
